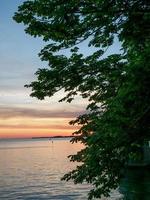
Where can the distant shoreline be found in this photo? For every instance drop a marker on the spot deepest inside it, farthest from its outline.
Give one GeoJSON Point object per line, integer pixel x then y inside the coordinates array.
{"type": "Point", "coordinates": [42, 137]}
{"type": "Point", "coordinates": [52, 137]}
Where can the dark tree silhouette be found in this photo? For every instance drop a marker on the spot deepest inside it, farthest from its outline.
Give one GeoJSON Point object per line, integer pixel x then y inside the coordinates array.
{"type": "Point", "coordinates": [117, 86]}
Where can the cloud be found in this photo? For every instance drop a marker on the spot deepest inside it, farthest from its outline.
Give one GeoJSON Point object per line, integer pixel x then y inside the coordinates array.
{"type": "Point", "coordinates": [13, 112]}
{"type": "Point", "coordinates": [23, 126]}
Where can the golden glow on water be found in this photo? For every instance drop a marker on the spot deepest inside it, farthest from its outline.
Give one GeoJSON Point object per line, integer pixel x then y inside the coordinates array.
{"type": "Point", "coordinates": [31, 169]}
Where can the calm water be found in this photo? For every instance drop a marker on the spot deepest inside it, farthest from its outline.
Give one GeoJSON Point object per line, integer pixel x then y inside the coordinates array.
{"type": "Point", "coordinates": [31, 169]}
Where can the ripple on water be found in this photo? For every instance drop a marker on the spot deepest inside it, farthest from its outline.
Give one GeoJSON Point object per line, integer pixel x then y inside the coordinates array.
{"type": "Point", "coordinates": [31, 170]}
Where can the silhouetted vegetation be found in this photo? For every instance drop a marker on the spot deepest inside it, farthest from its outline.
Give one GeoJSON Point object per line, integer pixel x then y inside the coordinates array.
{"type": "Point", "coordinates": [117, 86]}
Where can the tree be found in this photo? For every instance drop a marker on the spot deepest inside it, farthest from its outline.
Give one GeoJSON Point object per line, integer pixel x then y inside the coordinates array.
{"type": "Point", "coordinates": [117, 86]}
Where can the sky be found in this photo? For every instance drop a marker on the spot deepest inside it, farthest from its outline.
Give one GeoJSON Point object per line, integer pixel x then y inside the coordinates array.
{"type": "Point", "coordinates": [20, 115]}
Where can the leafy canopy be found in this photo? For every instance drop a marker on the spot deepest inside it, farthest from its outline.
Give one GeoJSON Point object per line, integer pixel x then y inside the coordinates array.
{"type": "Point", "coordinates": [117, 86]}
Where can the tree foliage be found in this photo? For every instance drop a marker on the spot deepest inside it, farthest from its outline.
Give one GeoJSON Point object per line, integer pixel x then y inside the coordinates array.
{"type": "Point", "coordinates": [117, 86]}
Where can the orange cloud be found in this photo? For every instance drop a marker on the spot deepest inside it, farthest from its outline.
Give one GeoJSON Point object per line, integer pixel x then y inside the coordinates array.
{"type": "Point", "coordinates": [35, 122]}
{"type": "Point", "coordinates": [35, 127]}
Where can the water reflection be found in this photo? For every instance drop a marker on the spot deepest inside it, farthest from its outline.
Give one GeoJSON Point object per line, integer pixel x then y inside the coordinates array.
{"type": "Point", "coordinates": [136, 184]}
{"type": "Point", "coordinates": [31, 169]}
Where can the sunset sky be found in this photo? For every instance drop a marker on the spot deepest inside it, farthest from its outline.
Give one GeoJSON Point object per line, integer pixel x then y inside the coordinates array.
{"type": "Point", "coordinates": [21, 115]}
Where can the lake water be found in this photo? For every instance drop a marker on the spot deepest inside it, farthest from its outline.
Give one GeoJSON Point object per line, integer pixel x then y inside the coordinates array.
{"type": "Point", "coordinates": [31, 170]}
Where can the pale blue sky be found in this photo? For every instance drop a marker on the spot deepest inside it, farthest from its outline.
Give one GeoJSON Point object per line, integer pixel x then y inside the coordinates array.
{"type": "Point", "coordinates": [18, 51]}
{"type": "Point", "coordinates": [18, 62]}
{"type": "Point", "coordinates": [21, 115]}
